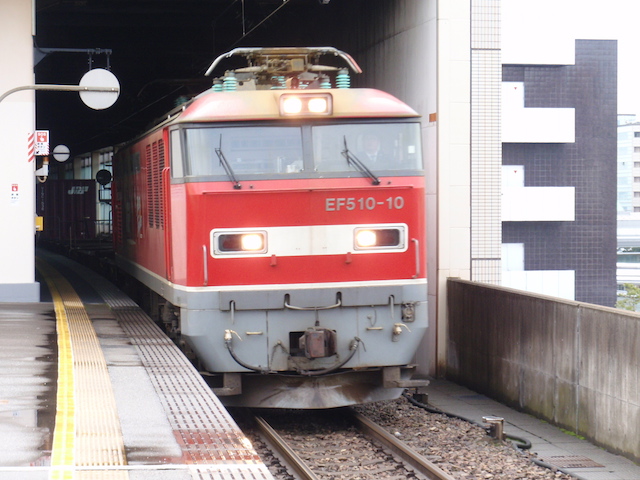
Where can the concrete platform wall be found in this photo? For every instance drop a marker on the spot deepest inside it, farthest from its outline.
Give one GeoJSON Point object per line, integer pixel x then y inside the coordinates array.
{"type": "Point", "coordinates": [573, 364]}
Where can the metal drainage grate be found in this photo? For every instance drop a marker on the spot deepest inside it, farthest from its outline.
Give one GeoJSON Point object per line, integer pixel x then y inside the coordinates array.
{"type": "Point", "coordinates": [571, 461]}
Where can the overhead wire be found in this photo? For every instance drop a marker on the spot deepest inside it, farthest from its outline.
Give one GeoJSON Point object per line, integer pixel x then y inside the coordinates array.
{"type": "Point", "coordinates": [244, 35]}
{"type": "Point", "coordinates": [243, 13]}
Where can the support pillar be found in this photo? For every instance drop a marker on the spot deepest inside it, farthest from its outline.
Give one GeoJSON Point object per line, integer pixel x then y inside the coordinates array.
{"type": "Point", "coordinates": [17, 163]}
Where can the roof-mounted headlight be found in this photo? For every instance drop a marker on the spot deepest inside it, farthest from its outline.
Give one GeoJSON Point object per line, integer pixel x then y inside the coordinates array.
{"type": "Point", "coordinates": [318, 105]}
{"type": "Point", "coordinates": [305, 104]}
{"type": "Point", "coordinates": [290, 106]}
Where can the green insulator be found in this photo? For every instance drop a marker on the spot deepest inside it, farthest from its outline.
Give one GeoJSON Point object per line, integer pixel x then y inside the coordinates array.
{"type": "Point", "coordinates": [181, 100]}
{"type": "Point", "coordinates": [230, 82]}
{"type": "Point", "coordinates": [325, 83]}
{"type": "Point", "coordinates": [278, 82]}
{"type": "Point", "coordinates": [217, 85]}
{"type": "Point", "coordinates": [342, 79]}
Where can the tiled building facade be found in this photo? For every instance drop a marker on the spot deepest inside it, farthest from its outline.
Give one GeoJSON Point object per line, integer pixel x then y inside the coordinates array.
{"type": "Point", "coordinates": [586, 244]}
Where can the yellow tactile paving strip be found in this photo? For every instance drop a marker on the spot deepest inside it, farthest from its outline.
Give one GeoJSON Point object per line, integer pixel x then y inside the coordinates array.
{"type": "Point", "coordinates": [87, 440]}
{"type": "Point", "coordinates": [213, 447]}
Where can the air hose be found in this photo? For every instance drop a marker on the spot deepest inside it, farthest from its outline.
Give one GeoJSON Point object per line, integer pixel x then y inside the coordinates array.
{"type": "Point", "coordinates": [228, 342]}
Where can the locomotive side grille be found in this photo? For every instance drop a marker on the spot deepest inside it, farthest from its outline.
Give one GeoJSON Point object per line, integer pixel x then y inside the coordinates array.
{"type": "Point", "coordinates": [155, 165]}
{"type": "Point", "coordinates": [117, 223]}
{"type": "Point", "coordinates": [149, 165]}
{"type": "Point", "coordinates": [154, 173]}
{"type": "Point", "coordinates": [157, 182]}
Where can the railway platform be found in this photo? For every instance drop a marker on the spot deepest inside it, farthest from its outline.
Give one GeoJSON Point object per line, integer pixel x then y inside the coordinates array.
{"type": "Point", "coordinates": [553, 446]}
{"type": "Point", "coordinates": [90, 388]}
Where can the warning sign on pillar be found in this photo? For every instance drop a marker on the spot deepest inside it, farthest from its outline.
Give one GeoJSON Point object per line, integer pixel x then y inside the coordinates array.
{"type": "Point", "coordinates": [42, 142]}
{"type": "Point", "coordinates": [31, 146]}
{"type": "Point", "coordinates": [15, 194]}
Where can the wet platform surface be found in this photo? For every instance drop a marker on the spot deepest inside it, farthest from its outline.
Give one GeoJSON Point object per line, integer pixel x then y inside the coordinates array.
{"type": "Point", "coordinates": [27, 382]}
{"type": "Point", "coordinates": [136, 408]}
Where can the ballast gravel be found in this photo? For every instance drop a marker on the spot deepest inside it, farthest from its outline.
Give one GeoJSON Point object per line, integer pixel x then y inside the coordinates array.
{"type": "Point", "coordinates": [462, 449]}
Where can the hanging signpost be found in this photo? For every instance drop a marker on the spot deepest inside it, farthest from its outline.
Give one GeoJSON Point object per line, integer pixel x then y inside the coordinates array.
{"type": "Point", "coordinates": [109, 86]}
{"type": "Point", "coordinates": [99, 89]}
{"type": "Point", "coordinates": [61, 153]}
{"type": "Point", "coordinates": [102, 78]}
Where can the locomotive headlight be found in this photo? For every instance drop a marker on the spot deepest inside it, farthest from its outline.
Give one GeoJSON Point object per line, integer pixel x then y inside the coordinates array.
{"type": "Point", "coordinates": [252, 242]}
{"type": "Point", "coordinates": [318, 105]}
{"type": "Point", "coordinates": [379, 238]}
{"type": "Point", "coordinates": [365, 238]}
{"type": "Point", "coordinates": [306, 104]}
{"type": "Point", "coordinates": [291, 105]}
{"type": "Point", "coordinates": [240, 242]}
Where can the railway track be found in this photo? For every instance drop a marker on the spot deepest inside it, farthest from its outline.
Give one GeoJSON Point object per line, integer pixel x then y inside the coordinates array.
{"type": "Point", "coordinates": [341, 445]}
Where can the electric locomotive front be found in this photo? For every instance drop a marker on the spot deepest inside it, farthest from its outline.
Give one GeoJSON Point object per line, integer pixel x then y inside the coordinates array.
{"type": "Point", "coordinates": [295, 243]}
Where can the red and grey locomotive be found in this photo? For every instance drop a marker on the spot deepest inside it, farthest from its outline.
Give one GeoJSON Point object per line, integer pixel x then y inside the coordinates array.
{"type": "Point", "coordinates": [281, 216]}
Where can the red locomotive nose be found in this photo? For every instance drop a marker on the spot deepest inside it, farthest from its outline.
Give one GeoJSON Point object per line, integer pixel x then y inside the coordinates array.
{"type": "Point", "coordinates": [286, 224]}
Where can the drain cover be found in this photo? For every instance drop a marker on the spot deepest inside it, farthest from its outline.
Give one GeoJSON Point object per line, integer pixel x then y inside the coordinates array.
{"type": "Point", "coordinates": [571, 461]}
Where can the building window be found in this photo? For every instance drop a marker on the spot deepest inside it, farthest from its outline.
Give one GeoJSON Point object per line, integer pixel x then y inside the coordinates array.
{"type": "Point", "coordinates": [85, 168]}
{"type": "Point", "coordinates": [636, 149]}
{"type": "Point", "coordinates": [636, 179]}
{"type": "Point", "coordinates": [636, 164]}
{"type": "Point", "coordinates": [103, 224]}
{"type": "Point", "coordinates": [68, 171]}
{"type": "Point", "coordinates": [636, 134]}
{"type": "Point", "coordinates": [636, 209]}
{"type": "Point", "coordinates": [636, 194]}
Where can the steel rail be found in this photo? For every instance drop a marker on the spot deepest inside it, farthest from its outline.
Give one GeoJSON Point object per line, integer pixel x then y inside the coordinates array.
{"type": "Point", "coordinates": [418, 462]}
{"type": "Point", "coordinates": [369, 428]}
{"type": "Point", "coordinates": [282, 448]}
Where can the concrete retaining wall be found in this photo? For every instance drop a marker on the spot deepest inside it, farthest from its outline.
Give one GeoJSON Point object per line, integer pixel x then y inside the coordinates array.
{"type": "Point", "coordinates": [573, 364]}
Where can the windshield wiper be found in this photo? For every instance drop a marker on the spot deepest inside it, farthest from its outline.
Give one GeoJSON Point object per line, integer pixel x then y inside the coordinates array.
{"type": "Point", "coordinates": [227, 167]}
{"type": "Point", "coordinates": [352, 159]}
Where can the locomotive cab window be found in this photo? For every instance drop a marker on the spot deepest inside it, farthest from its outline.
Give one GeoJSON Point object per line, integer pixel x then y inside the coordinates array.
{"type": "Point", "coordinates": [176, 154]}
{"type": "Point", "coordinates": [245, 150]}
{"type": "Point", "coordinates": [379, 146]}
{"type": "Point", "coordinates": [304, 150]}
